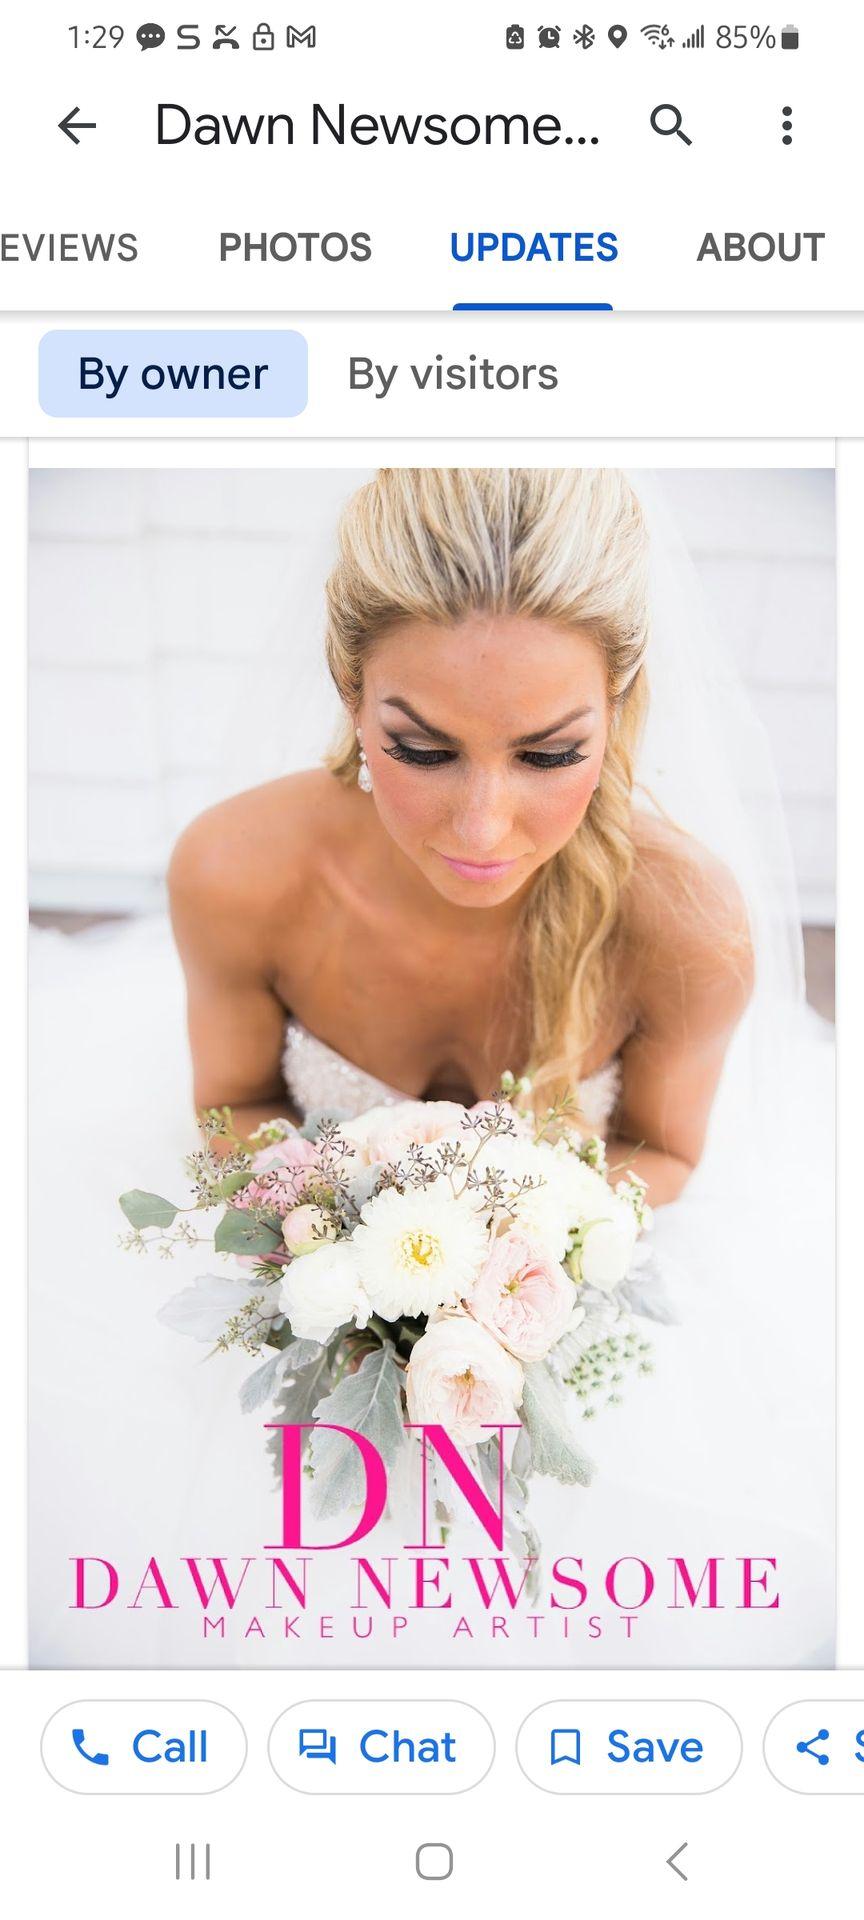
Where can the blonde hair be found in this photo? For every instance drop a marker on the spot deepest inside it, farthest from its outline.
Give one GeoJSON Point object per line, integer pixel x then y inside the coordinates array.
{"type": "Point", "coordinates": [570, 546]}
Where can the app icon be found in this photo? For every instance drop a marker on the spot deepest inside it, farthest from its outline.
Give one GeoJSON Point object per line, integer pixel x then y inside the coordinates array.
{"type": "Point", "coordinates": [150, 35]}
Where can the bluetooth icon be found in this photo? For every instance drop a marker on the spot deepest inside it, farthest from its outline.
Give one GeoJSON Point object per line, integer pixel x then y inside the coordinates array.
{"type": "Point", "coordinates": [584, 36]}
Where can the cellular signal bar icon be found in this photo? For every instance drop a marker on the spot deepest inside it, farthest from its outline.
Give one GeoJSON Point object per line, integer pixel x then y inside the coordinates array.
{"type": "Point", "coordinates": [696, 39]}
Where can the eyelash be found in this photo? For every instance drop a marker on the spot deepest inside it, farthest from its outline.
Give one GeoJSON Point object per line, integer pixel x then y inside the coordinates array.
{"type": "Point", "coordinates": [442, 757]}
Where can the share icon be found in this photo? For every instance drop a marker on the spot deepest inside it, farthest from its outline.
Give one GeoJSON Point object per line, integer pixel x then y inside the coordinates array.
{"type": "Point", "coordinates": [806, 1746]}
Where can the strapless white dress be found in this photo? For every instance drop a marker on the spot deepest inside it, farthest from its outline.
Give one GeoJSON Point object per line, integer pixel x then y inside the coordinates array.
{"type": "Point", "coordinates": [318, 1078]}
{"type": "Point", "coordinates": [138, 1447]}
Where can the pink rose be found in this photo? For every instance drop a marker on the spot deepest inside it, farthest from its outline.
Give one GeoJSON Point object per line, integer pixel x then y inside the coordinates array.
{"type": "Point", "coordinates": [282, 1173]}
{"type": "Point", "coordinates": [524, 1297]}
{"type": "Point", "coordinates": [306, 1228]}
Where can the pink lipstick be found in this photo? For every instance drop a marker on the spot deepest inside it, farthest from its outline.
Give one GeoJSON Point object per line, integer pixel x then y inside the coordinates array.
{"type": "Point", "coordinates": [478, 870]}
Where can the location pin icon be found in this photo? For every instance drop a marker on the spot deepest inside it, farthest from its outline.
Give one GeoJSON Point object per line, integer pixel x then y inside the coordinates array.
{"type": "Point", "coordinates": [617, 36]}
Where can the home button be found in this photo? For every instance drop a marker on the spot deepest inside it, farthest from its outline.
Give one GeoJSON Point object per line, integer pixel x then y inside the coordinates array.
{"type": "Point", "coordinates": [434, 1861]}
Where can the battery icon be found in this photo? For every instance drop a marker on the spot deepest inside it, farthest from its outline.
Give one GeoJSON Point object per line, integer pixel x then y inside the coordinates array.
{"type": "Point", "coordinates": [789, 38]}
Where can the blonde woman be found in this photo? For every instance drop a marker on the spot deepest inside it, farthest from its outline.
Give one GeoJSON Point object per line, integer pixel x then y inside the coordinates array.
{"type": "Point", "coordinates": [471, 884]}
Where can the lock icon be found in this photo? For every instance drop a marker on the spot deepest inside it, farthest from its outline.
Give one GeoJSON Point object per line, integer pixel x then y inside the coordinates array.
{"type": "Point", "coordinates": [263, 39]}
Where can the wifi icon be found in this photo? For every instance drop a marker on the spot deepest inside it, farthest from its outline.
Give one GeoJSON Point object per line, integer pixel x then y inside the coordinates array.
{"type": "Point", "coordinates": [658, 36]}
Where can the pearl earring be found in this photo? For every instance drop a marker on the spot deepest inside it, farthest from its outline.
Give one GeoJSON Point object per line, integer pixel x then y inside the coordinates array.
{"type": "Point", "coordinates": [364, 777]}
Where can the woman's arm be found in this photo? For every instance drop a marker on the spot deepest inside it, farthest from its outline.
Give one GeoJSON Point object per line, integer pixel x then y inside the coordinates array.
{"type": "Point", "coordinates": [694, 981]}
{"type": "Point", "coordinates": [236, 1023]}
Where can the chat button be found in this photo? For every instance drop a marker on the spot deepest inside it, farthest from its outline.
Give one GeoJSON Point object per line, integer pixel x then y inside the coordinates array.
{"type": "Point", "coordinates": [381, 1746]}
{"type": "Point", "coordinates": [628, 1746]}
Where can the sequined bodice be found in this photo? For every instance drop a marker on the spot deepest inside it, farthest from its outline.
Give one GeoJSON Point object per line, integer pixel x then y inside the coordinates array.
{"type": "Point", "coordinates": [319, 1079]}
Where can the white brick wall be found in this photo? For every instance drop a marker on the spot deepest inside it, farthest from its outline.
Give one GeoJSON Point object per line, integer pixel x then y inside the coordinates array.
{"type": "Point", "coordinates": [151, 593]}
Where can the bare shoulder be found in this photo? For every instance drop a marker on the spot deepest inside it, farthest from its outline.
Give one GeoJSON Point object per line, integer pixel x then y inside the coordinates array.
{"type": "Point", "coordinates": [251, 855]}
{"type": "Point", "coordinates": [686, 928]}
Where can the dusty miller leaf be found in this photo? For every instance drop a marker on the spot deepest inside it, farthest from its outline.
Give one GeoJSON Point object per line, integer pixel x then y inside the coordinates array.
{"type": "Point", "coordinates": [554, 1450]}
{"type": "Point", "coordinates": [369, 1402]}
{"type": "Point", "coordinates": [261, 1385]}
{"type": "Point", "coordinates": [644, 1291]}
{"type": "Point", "coordinates": [520, 1535]}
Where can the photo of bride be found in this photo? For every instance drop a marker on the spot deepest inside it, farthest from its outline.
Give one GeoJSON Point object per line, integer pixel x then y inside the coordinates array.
{"type": "Point", "coordinates": [417, 877]}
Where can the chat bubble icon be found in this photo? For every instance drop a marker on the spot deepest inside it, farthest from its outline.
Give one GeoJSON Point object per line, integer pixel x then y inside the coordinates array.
{"type": "Point", "coordinates": [565, 1743]}
{"type": "Point", "coordinates": [317, 1744]}
{"type": "Point", "coordinates": [150, 35]}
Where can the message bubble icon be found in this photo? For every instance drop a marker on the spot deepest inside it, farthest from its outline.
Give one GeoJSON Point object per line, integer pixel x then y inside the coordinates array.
{"type": "Point", "coordinates": [317, 1744]}
{"type": "Point", "coordinates": [150, 35]}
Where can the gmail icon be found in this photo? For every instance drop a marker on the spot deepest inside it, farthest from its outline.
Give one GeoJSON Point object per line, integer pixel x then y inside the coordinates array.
{"type": "Point", "coordinates": [301, 36]}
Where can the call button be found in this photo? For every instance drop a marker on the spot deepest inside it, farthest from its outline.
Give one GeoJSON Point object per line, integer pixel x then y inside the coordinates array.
{"type": "Point", "coordinates": [144, 1746]}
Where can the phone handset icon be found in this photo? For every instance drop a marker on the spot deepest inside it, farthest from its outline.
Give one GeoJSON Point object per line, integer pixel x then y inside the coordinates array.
{"type": "Point", "coordinates": [95, 1759]}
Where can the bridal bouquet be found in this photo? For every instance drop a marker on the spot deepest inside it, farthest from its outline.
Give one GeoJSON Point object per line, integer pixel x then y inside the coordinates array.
{"type": "Point", "coordinates": [425, 1263]}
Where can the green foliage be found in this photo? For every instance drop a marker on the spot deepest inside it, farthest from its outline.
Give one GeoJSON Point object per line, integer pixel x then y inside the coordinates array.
{"type": "Point", "coordinates": [240, 1232]}
{"type": "Point", "coordinates": [147, 1209]}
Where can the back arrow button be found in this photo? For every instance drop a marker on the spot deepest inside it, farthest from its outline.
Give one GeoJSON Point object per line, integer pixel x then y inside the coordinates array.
{"type": "Point", "coordinates": [672, 1859]}
{"type": "Point", "coordinates": [71, 127]}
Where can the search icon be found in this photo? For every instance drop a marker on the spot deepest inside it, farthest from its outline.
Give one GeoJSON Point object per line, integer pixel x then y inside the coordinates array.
{"type": "Point", "coordinates": [671, 127]}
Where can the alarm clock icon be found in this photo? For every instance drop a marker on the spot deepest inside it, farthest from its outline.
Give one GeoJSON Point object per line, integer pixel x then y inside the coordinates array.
{"type": "Point", "coordinates": [550, 36]}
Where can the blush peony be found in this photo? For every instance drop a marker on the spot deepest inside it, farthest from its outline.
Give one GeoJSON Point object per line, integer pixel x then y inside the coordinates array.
{"type": "Point", "coordinates": [525, 1298]}
{"type": "Point", "coordinates": [462, 1379]}
{"type": "Point", "coordinates": [384, 1134]}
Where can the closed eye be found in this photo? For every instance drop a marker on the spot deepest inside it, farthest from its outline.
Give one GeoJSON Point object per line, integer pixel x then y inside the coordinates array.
{"type": "Point", "coordinates": [420, 757]}
{"type": "Point", "coordinates": [566, 757]}
{"type": "Point", "coordinates": [444, 756]}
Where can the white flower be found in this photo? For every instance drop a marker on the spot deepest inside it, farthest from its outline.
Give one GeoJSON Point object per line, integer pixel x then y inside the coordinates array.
{"type": "Point", "coordinates": [541, 1210]}
{"type": "Point", "coordinates": [460, 1378]}
{"type": "Point", "coordinates": [420, 1249]}
{"type": "Point", "coordinates": [305, 1228]}
{"type": "Point", "coordinates": [384, 1134]}
{"type": "Point", "coordinates": [323, 1291]}
{"type": "Point", "coordinates": [607, 1223]}
{"type": "Point", "coordinates": [607, 1248]}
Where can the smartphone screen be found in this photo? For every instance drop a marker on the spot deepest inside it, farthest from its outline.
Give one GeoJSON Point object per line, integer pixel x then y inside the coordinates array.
{"type": "Point", "coordinates": [430, 452]}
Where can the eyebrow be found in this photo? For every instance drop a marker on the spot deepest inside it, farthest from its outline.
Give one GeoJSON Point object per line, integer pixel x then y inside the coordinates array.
{"type": "Point", "coordinates": [527, 739]}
